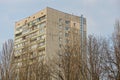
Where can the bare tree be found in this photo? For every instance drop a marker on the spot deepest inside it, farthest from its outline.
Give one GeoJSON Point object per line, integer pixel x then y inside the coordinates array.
{"type": "Point", "coordinates": [99, 58]}
{"type": "Point", "coordinates": [116, 44]}
{"type": "Point", "coordinates": [6, 56]}
{"type": "Point", "coordinates": [93, 58]}
{"type": "Point", "coordinates": [70, 64]}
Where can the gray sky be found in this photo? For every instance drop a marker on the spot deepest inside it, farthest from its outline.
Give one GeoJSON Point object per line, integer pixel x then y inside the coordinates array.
{"type": "Point", "coordinates": [100, 14]}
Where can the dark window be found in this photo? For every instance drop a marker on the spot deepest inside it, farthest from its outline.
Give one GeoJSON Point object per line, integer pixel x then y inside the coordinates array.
{"type": "Point", "coordinates": [74, 24]}
{"type": "Point", "coordinates": [60, 45]}
{"type": "Point", "coordinates": [18, 34]}
{"type": "Point", "coordinates": [66, 28]}
{"type": "Point", "coordinates": [34, 27]}
{"type": "Point", "coordinates": [43, 17]}
{"type": "Point", "coordinates": [60, 19]}
{"type": "Point", "coordinates": [34, 17]}
{"type": "Point", "coordinates": [24, 37]}
{"type": "Point", "coordinates": [28, 24]}
{"type": "Point", "coordinates": [66, 34]}
{"type": "Point", "coordinates": [67, 22]}
{"type": "Point", "coordinates": [33, 40]}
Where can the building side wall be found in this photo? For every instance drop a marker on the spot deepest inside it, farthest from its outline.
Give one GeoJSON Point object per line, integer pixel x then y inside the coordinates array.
{"type": "Point", "coordinates": [56, 24]}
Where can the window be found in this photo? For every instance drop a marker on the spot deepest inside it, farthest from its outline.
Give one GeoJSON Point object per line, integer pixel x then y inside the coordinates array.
{"type": "Point", "coordinates": [42, 30]}
{"type": "Point", "coordinates": [25, 21]}
{"type": "Point", "coordinates": [23, 43]}
{"type": "Point", "coordinates": [28, 24]}
{"type": "Point", "coordinates": [42, 43]}
{"type": "Point", "coordinates": [18, 40]}
{"type": "Point", "coordinates": [23, 50]}
{"type": "Point", "coordinates": [33, 27]}
{"type": "Point", "coordinates": [38, 19]}
{"type": "Point", "coordinates": [67, 28]}
{"type": "Point", "coordinates": [60, 27]}
{"type": "Point", "coordinates": [25, 30]}
{"type": "Point", "coordinates": [41, 25]}
{"type": "Point", "coordinates": [24, 37]}
{"type": "Point", "coordinates": [18, 34]}
{"type": "Point", "coordinates": [33, 34]}
{"type": "Point", "coordinates": [60, 39]}
{"type": "Point", "coordinates": [18, 51]}
{"type": "Point", "coordinates": [32, 55]}
{"type": "Point", "coordinates": [19, 28]}
{"type": "Point", "coordinates": [33, 46]}
{"type": "Point", "coordinates": [43, 17]}
{"type": "Point", "coordinates": [67, 41]}
{"type": "Point", "coordinates": [34, 17]}
{"type": "Point", "coordinates": [74, 24]}
{"type": "Point", "coordinates": [35, 21]}
{"type": "Point", "coordinates": [41, 57]}
{"type": "Point", "coordinates": [19, 64]}
{"type": "Point", "coordinates": [67, 22]}
{"type": "Point", "coordinates": [60, 19]}
{"type": "Point", "coordinates": [66, 34]}
{"type": "Point", "coordinates": [42, 37]}
{"type": "Point", "coordinates": [31, 23]}
{"type": "Point", "coordinates": [32, 40]}
{"type": "Point", "coordinates": [60, 45]}
{"type": "Point", "coordinates": [41, 52]}
{"type": "Point", "coordinates": [18, 45]}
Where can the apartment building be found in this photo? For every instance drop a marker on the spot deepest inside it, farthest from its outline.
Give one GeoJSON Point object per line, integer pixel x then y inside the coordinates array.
{"type": "Point", "coordinates": [43, 34]}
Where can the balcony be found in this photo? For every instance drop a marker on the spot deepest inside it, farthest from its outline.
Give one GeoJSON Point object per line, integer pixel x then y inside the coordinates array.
{"type": "Point", "coordinates": [41, 47]}
{"type": "Point", "coordinates": [19, 31]}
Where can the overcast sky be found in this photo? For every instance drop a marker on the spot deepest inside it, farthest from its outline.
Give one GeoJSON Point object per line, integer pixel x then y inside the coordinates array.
{"type": "Point", "coordinates": [100, 14]}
